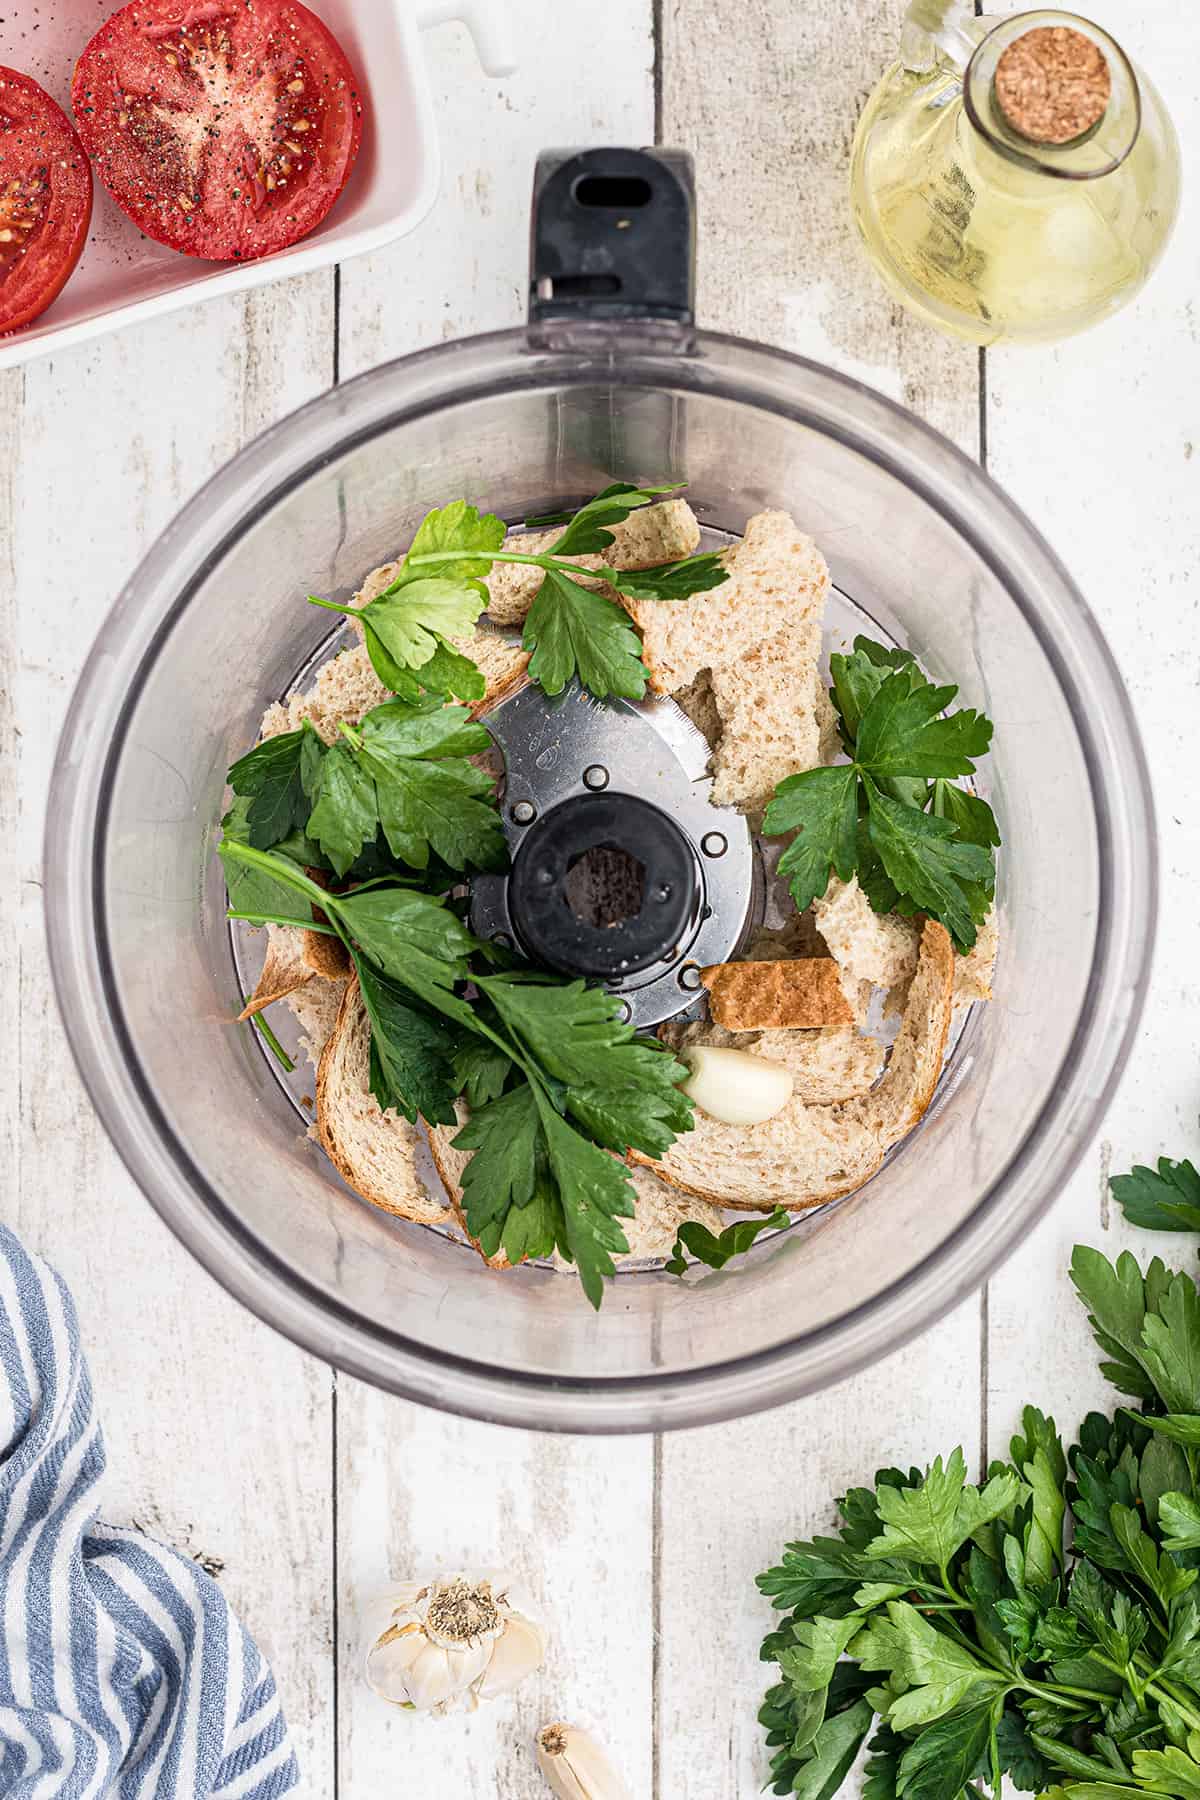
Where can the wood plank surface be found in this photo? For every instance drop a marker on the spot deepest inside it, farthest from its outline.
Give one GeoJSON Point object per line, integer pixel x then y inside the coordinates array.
{"type": "Point", "coordinates": [1097, 438]}
{"type": "Point", "coordinates": [91, 470]}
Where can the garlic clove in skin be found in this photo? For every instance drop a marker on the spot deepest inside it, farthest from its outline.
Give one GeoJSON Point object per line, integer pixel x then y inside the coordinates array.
{"type": "Point", "coordinates": [734, 1087]}
{"type": "Point", "coordinates": [443, 1645]}
{"type": "Point", "coordinates": [576, 1767]}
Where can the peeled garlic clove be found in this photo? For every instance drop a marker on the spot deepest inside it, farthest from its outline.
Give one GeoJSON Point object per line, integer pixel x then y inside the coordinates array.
{"type": "Point", "coordinates": [517, 1654]}
{"type": "Point", "coordinates": [734, 1087]}
{"type": "Point", "coordinates": [575, 1766]}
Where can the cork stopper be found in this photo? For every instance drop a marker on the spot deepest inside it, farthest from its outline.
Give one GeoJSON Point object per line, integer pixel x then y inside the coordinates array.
{"type": "Point", "coordinates": [1052, 84]}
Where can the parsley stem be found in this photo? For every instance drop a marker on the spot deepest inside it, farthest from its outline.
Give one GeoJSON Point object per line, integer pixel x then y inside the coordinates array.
{"type": "Point", "coordinates": [351, 736]}
{"type": "Point", "coordinates": [253, 918]}
{"type": "Point", "coordinates": [272, 1042]}
{"type": "Point", "coordinates": [333, 606]}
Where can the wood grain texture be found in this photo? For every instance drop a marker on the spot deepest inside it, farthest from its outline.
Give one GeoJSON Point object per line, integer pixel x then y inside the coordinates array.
{"type": "Point", "coordinates": [769, 114]}
{"type": "Point", "coordinates": [218, 1432]}
{"type": "Point", "coordinates": [1097, 439]}
{"type": "Point", "coordinates": [418, 1492]}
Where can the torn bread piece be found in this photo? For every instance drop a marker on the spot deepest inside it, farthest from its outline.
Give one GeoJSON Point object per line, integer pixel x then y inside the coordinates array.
{"type": "Point", "coordinates": [808, 1154]}
{"type": "Point", "coordinates": [775, 717]}
{"type": "Point", "coordinates": [777, 577]}
{"type": "Point", "coordinates": [375, 1152]}
{"type": "Point", "coordinates": [650, 1234]}
{"type": "Point", "coordinates": [315, 1008]}
{"type": "Point", "coordinates": [651, 535]}
{"type": "Point", "coordinates": [294, 958]}
{"type": "Point", "coordinates": [882, 948]}
{"type": "Point", "coordinates": [780, 995]}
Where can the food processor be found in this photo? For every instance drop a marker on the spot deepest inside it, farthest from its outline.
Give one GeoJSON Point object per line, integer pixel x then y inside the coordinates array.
{"type": "Point", "coordinates": [610, 380]}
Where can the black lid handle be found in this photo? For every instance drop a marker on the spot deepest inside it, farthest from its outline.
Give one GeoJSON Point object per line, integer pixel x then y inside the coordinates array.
{"type": "Point", "coordinates": [614, 236]}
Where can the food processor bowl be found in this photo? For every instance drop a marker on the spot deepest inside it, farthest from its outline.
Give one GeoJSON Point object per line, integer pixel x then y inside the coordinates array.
{"type": "Point", "coordinates": [923, 548]}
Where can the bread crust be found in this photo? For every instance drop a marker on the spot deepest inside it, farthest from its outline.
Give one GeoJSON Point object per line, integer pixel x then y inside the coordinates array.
{"type": "Point", "coordinates": [293, 957]}
{"type": "Point", "coordinates": [800, 995]}
{"type": "Point", "coordinates": [418, 1206]}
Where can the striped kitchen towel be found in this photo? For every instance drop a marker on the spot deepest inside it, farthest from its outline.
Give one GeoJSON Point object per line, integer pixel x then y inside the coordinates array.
{"type": "Point", "coordinates": [122, 1670]}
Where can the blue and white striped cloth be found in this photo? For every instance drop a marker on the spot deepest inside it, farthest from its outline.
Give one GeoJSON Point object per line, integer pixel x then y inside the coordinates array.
{"type": "Point", "coordinates": [122, 1670]}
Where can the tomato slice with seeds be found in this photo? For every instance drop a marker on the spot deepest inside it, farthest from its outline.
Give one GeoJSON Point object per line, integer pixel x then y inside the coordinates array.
{"type": "Point", "coordinates": [45, 200]}
{"type": "Point", "coordinates": [224, 128]}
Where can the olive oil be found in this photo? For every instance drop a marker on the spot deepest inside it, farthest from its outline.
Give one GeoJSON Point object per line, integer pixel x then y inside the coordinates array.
{"type": "Point", "coordinates": [985, 231]}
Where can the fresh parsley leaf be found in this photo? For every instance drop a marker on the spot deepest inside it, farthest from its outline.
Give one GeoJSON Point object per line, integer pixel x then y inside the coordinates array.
{"type": "Point", "coordinates": [586, 535]}
{"type": "Point", "coordinates": [929, 864]}
{"type": "Point", "coordinates": [714, 1250]}
{"type": "Point", "coordinates": [595, 1191]}
{"type": "Point", "coordinates": [449, 671]}
{"type": "Point", "coordinates": [1169, 1771]}
{"type": "Point", "coordinates": [414, 938]}
{"type": "Point", "coordinates": [671, 581]}
{"type": "Point", "coordinates": [1171, 1346]}
{"type": "Point", "coordinates": [458, 527]}
{"type": "Point", "coordinates": [972, 815]}
{"type": "Point", "coordinates": [253, 891]}
{"type": "Point", "coordinates": [930, 1522]}
{"type": "Point", "coordinates": [412, 1051]}
{"type": "Point", "coordinates": [1179, 1518]}
{"type": "Point", "coordinates": [270, 778]}
{"type": "Point", "coordinates": [1163, 1199]}
{"type": "Point", "coordinates": [623, 1089]}
{"type": "Point", "coordinates": [1039, 1456]}
{"type": "Point", "coordinates": [830, 1755]}
{"type": "Point", "coordinates": [345, 813]}
{"type": "Point", "coordinates": [482, 1072]}
{"type": "Point", "coordinates": [1116, 1298]}
{"type": "Point", "coordinates": [934, 1672]}
{"type": "Point", "coordinates": [902, 732]}
{"type": "Point", "coordinates": [809, 1661]}
{"type": "Point", "coordinates": [411, 620]}
{"type": "Point", "coordinates": [506, 1174]}
{"type": "Point", "coordinates": [574, 631]}
{"type": "Point", "coordinates": [821, 807]}
{"type": "Point", "coordinates": [870, 817]}
{"type": "Point", "coordinates": [940, 1762]}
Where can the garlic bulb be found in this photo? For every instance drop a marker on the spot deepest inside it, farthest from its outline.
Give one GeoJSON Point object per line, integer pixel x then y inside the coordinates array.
{"type": "Point", "coordinates": [446, 1644]}
{"type": "Point", "coordinates": [575, 1766]}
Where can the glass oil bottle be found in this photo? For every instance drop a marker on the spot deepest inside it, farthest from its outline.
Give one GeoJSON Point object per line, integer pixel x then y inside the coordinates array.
{"type": "Point", "coordinates": [1013, 180]}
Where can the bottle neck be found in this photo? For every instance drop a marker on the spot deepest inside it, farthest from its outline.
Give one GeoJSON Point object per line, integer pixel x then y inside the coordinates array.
{"type": "Point", "coordinates": [1097, 151]}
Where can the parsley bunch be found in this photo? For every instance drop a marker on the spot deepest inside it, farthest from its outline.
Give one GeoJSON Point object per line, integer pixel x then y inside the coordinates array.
{"type": "Point", "coordinates": [560, 1089]}
{"type": "Point", "coordinates": [571, 630]}
{"type": "Point", "coordinates": [1044, 1626]}
{"type": "Point", "coordinates": [893, 814]}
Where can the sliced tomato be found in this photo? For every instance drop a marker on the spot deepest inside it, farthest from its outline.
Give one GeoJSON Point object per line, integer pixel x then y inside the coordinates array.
{"type": "Point", "coordinates": [225, 128]}
{"type": "Point", "coordinates": [45, 200]}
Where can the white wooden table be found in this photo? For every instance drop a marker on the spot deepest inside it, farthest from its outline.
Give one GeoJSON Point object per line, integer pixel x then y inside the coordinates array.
{"type": "Point", "coordinates": [306, 1489]}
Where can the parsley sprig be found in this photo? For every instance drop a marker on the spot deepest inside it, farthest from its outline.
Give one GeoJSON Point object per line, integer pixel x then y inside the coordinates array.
{"type": "Point", "coordinates": [560, 1088]}
{"type": "Point", "coordinates": [1043, 1627]}
{"type": "Point", "coordinates": [402, 777]}
{"type": "Point", "coordinates": [571, 631]}
{"type": "Point", "coordinates": [893, 814]}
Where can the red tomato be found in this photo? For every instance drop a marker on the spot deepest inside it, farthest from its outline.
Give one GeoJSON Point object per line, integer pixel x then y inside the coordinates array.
{"type": "Point", "coordinates": [225, 128]}
{"type": "Point", "coordinates": [45, 200]}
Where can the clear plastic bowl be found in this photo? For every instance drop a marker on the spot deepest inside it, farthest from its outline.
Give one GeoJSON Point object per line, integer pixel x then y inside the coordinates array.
{"type": "Point", "coordinates": [213, 626]}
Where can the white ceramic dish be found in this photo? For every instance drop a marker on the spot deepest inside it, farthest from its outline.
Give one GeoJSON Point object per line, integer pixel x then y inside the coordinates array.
{"type": "Point", "coordinates": [123, 276]}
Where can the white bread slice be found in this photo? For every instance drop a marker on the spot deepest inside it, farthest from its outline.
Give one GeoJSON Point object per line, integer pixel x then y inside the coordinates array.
{"type": "Point", "coordinates": [808, 1153]}
{"type": "Point", "coordinates": [827, 1066]}
{"type": "Point", "coordinates": [800, 993]}
{"type": "Point", "coordinates": [774, 713]}
{"type": "Point", "coordinates": [294, 958]}
{"type": "Point", "coordinates": [778, 578]}
{"type": "Point", "coordinates": [660, 1210]}
{"type": "Point", "coordinates": [374, 1152]}
{"type": "Point", "coordinates": [656, 534]}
